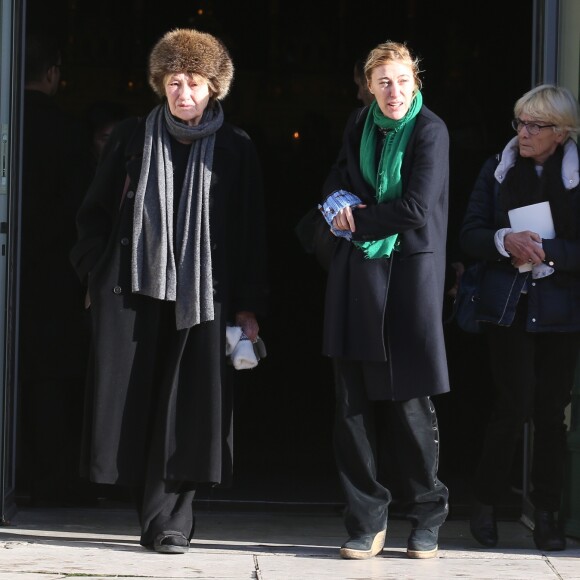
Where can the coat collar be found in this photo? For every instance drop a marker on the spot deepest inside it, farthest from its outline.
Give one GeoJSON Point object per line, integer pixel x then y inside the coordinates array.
{"type": "Point", "coordinates": [570, 163]}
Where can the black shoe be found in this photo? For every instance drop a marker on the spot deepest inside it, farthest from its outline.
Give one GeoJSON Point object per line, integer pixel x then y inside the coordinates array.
{"type": "Point", "coordinates": [548, 537]}
{"type": "Point", "coordinates": [171, 542]}
{"type": "Point", "coordinates": [483, 524]}
{"type": "Point", "coordinates": [364, 546]}
{"type": "Point", "coordinates": [422, 543]}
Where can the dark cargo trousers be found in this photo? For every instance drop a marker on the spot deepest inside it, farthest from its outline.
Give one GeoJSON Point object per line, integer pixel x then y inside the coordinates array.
{"type": "Point", "coordinates": [362, 427]}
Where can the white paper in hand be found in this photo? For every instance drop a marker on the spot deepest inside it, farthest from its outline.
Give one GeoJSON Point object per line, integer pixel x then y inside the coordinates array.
{"type": "Point", "coordinates": [536, 217]}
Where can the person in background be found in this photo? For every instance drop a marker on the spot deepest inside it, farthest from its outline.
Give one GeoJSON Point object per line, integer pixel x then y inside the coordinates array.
{"type": "Point", "coordinates": [101, 118]}
{"type": "Point", "coordinates": [386, 198]}
{"type": "Point", "coordinates": [183, 257]}
{"type": "Point", "coordinates": [528, 305]}
{"type": "Point", "coordinates": [54, 334]}
{"type": "Point", "coordinates": [363, 93]}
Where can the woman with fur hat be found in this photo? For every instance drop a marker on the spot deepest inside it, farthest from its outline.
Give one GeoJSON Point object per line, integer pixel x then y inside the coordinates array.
{"type": "Point", "coordinates": [171, 245]}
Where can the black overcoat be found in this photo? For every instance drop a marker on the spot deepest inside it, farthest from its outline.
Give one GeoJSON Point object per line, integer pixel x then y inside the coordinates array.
{"type": "Point", "coordinates": [189, 401]}
{"type": "Point", "coordinates": [391, 309]}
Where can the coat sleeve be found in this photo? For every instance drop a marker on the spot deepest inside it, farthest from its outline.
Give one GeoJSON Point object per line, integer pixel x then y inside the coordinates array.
{"type": "Point", "coordinates": [476, 236]}
{"type": "Point", "coordinates": [425, 174]}
{"type": "Point", "coordinates": [248, 247]}
{"type": "Point", "coordinates": [563, 254]}
{"type": "Point", "coordinates": [429, 157]}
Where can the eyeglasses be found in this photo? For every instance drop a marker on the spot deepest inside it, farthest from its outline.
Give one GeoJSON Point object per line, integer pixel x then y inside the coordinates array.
{"type": "Point", "coordinates": [532, 128]}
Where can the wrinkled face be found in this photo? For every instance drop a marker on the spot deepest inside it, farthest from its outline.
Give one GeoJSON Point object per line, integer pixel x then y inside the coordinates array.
{"type": "Point", "coordinates": [187, 96]}
{"type": "Point", "coordinates": [392, 85]}
{"type": "Point", "coordinates": [539, 147]}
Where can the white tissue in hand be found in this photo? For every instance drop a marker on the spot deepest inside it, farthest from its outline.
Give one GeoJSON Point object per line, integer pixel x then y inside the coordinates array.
{"type": "Point", "coordinates": [233, 336]}
{"type": "Point", "coordinates": [243, 355]}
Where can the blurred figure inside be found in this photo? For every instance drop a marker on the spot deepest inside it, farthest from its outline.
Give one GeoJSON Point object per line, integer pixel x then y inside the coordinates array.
{"type": "Point", "coordinates": [53, 346]}
{"type": "Point", "coordinates": [101, 118]}
{"type": "Point", "coordinates": [363, 93]}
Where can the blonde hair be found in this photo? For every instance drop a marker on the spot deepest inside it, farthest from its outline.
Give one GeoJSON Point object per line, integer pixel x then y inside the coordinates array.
{"type": "Point", "coordinates": [390, 51]}
{"type": "Point", "coordinates": [553, 105]}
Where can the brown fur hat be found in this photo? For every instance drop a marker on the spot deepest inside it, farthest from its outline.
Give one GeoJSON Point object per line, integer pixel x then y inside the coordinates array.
{"type": "Point", "coordinates": [185, 50]}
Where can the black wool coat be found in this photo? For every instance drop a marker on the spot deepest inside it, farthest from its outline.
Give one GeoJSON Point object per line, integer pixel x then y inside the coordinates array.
{"type": "Point", "coordinates": [390, 310]}
{"type": "Point", "coordinates": [149, 383]}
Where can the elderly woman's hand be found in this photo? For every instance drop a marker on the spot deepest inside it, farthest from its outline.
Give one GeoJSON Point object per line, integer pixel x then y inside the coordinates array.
{"type": "Point", "coordinates": [249, 324]}
{"type": "Point", "coordinates": [524, 247]}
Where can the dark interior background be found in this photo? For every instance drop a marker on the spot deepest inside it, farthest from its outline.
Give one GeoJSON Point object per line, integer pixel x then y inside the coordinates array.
{"type": "Point", "coordinates": [292, 92]}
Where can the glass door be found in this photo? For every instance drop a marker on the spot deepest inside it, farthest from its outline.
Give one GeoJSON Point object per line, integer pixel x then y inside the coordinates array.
{"type": "Point", "coordinates": [10, 98]}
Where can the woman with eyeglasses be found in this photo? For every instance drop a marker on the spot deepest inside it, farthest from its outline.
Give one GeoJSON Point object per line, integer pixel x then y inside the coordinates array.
{"type": "Point", "coordinates": [529, 304]}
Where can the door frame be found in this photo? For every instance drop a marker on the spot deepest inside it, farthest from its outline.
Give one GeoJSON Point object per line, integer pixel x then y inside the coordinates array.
{"type": "Point", "coordinates": [11, 91]}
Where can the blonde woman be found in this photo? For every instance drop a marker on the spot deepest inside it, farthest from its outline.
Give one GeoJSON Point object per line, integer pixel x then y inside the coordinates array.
{"type": "Point", "coordinates": [386, 198]}
{"type": "Point", "coordinates": [528, 304]}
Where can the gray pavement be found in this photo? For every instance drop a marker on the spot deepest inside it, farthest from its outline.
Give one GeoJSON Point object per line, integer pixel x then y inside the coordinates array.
{"type": "Point", "coordinates": [102, 543]}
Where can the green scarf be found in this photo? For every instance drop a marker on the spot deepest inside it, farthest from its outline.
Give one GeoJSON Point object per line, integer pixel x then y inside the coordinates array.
{"type": "Point", "coordinates": [387, 180]}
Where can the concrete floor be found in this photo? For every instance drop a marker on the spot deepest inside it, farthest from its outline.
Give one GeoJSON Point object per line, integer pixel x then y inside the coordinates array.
{"type": "Point", "coordinates": [102, 543]}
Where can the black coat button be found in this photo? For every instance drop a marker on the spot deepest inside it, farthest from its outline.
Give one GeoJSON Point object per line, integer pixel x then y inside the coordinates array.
{"type": "Point", "coordinates": [117, 290]}
{"type": "Point", "coordinates": [124, 241]}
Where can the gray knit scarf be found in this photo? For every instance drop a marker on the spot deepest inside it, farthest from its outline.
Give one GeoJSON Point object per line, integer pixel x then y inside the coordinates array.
{"type": "Point", "coordinates": [168, 265]}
